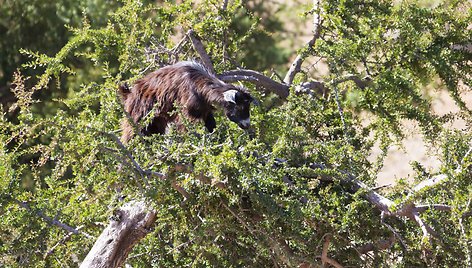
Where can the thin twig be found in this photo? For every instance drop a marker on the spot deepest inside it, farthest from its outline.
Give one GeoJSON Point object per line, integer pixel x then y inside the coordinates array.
{"type": "Point", "coordinates": [341, 114]}
{"type": "Point", "coordinates": [61, 242]}
{"type": "Point", "coordinates": [249, 228]}
{"type": "Point", "coordinates": [381, 187]}
{"type": "Point", "coordinates": [225, 5]}
{"type": "Point", "coordinates": [123, 148]}
{"type": "Point", "coordinates": [382, 221]}
{"type": "Point", "coordinates": [467, 246]}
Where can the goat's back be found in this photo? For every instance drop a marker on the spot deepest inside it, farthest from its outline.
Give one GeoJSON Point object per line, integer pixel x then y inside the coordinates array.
{"type": "Point", "coordinates": [186, 84]}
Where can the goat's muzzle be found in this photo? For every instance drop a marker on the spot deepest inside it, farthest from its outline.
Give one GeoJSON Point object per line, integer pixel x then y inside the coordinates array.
{"type": "Point", "coordinates": [245, 123]}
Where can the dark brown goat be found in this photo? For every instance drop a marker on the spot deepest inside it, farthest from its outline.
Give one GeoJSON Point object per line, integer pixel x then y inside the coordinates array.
{"type": "Point", "coordinates": [188, 85]}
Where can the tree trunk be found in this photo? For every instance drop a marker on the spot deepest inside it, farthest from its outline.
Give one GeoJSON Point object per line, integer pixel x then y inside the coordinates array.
{"type": "Point", "coordinates": [130, 224]}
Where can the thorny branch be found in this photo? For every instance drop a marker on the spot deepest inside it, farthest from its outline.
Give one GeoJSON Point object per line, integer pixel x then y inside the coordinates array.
{"type": "Point", "coordinates": [61, 242]}
{"type": "Point", "coordinates": [52, 221]}
{"type": "Point", "coordinates": [407, 210]}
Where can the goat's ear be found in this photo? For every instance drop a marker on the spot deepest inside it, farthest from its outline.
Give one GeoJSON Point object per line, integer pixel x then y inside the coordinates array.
{"type": "Point", "coordinates": [230, 95]}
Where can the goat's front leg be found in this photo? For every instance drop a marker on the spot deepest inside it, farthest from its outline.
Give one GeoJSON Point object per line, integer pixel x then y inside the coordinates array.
{"type": "Point", "coordinates": [210, 122]}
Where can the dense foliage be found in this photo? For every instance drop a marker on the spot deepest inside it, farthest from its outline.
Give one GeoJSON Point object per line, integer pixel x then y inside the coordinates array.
{"type": "Point", "coordinates": [265, 197]}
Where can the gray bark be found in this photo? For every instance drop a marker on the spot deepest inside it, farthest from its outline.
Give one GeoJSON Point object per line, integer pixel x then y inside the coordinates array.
{"type": "Point", "coordinates": [130, 224]}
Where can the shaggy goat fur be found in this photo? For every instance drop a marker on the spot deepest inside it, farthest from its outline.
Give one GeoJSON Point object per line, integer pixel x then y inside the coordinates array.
{"type": "Point", "coordinates": [188, 85]}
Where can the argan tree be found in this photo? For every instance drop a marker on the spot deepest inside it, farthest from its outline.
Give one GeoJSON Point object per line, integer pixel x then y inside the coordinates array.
{"type": "Point", "coordinates": [295, 190]}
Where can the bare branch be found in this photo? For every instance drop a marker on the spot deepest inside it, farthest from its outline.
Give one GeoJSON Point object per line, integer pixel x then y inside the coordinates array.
{"type": "Point", "coordinates": [324, 255]}
{"type": "Point", "coordinates": [379, 201]}
{"type": "Point", "coordinates": [398, 236]}
{"type": "Point", "coordinates": [425, 228]}
{"type": "Point", "coordinates": [379, 245]}
{"type": "Point", "coordinates": [200, 49]}
{"type": "Point", "coordinates": [52, 221]}
{"type": "Point", "coordinates": [321, 88]}
{"type": "Point", "coordinates": [360, 82]}
{"type": "Point", "coordinates": [308, 87]}
{"type": "Point", "coordinates": [297, 63]}
{"type": "Point", "coordinates": [258, 79]}
{"type": "Point", "coordinates": [429, 182]}
{"type": "Point", "coordinates": [61, 242]}
{"type": "Point", "coordinates": [442, 207]}
{"type": "Point", "coordinates": [353, 185]}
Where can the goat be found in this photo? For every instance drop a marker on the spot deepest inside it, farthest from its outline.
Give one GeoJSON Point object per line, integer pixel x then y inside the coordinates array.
{"type": "Point", "coordinates": [189, 85]}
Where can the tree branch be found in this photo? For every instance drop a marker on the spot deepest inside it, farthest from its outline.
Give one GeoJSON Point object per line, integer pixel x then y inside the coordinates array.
{"type": "Point", "coordinates": [308, 87]}
{"type": "Point", "coordinates": [52, 221]}
{"type": "Point", "coordinates": [324, 255]}
{"type": "Point", "coordinates": [297, 63]}
{"type": "Point", "coordinates": [61, 242]}
{"type": "Point", "coordinates": [360, 82]}
{"type": "Point", "coordinates": [425, 228]}
{"type": "Point", "coordinates": [398, 236]}
{"type": "Point", "coordinates": [442, 207]}
{"type": "Point", "coordinates": [130, 224]}
{"type": "Point", "coordinates": [379, 201]}
{"type": "Point", "coordinates": [321, 88]}
{"type": "Point", "coordinates": [408, 209]}
{"type": "Point", "coordinates": [379, 245]}
{"type": "Point", "coordinates": [258, 79]}
{"type": "Point", "coordinates": [428, 183]}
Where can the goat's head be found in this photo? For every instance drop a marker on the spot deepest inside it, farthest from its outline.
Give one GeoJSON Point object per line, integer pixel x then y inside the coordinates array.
{"type": "Point", "coordinates": [237, 105]}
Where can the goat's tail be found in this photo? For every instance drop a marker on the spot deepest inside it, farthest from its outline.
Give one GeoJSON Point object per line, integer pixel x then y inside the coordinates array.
{"type": "Point", "coordinates": [124, 91]}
